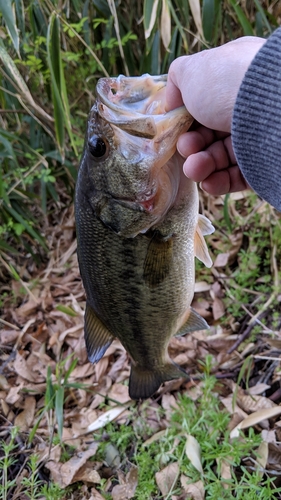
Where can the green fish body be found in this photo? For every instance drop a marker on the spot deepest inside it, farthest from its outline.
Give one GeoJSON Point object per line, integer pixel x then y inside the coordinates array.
{"type": "Point", "coordinates": [138, 229]}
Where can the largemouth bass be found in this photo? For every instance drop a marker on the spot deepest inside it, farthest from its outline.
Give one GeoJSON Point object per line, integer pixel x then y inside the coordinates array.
{"type": "Point", "coordinates": [138, 229]}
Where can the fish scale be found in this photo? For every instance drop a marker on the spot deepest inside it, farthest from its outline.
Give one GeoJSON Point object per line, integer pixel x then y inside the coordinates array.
{"type": "Point", "coordinates": [136, 254]}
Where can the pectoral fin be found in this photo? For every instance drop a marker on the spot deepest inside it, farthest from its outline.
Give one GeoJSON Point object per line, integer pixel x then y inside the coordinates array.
{"type": "Point", "coordinates": [97, 337]}
{"type": "Point", "coordinates": [158, 259]}
{"type": "Point", "coordinates": [144, 382]}
{"type": "Point", "coordinates": [193, 323]}
{"type": "Point", "coordinates": [204, 227]}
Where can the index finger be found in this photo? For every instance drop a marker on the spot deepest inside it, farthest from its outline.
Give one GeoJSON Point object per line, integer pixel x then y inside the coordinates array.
{"type": "Point", "coordinates": [173, 94]}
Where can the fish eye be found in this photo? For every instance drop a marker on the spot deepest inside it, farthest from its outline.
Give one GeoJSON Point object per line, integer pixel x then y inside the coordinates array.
{"type": "Point", "coordinates": [98, 147]}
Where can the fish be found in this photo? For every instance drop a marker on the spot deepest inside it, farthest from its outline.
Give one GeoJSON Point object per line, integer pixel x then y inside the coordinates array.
{"type": "Point", "coordinates": [138, 229]}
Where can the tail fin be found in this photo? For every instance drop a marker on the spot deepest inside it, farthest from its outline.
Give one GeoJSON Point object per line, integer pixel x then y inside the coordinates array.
{"type": "Point", "coordinates": [145, 382]}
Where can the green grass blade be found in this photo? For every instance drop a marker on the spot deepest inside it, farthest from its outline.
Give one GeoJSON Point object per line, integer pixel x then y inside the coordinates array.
{"type": "Point", "coordinates": [20, 17]}
{"type": "Point", "coordinates": [59, 92]}
{"type": "Point", "coordinates": [263, 16]}
{"type": "Point", "coordinates": [59, 409]}
{"type": "Point", "coordinates": [226, 213]}
{"type": "Point", "coordinates": [10, 21]}
{"type": "Point", "coordinates": [54, 61]}
{"type": "Point", "coordinates": [245, 24]}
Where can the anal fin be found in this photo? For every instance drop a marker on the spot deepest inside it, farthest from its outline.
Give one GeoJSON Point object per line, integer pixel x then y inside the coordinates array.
{"type": "Point", "coordinates": [193, 323]}
{"type": "Point", "coordinates": [145, 382]}
{"type": "Point", "coordinates": [97, 337]}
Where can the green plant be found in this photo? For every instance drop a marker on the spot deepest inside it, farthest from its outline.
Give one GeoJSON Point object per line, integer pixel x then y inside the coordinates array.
{"type": "Point", "coordinates": [55, 397]}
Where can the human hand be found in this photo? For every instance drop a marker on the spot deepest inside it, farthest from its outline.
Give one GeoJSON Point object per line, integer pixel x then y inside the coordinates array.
{"type": "Point", "coordinates": [207, 83]}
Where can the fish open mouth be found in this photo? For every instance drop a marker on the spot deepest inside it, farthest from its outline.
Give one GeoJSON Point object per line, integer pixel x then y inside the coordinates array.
{"type": "Point", "coordinates": [137, 105]}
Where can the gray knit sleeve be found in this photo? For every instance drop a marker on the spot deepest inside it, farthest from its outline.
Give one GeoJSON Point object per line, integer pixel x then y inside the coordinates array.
{"type": "Point", "coordinates": [256, 123]}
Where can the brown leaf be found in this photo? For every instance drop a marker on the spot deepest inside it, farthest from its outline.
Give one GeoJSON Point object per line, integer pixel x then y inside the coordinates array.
{"type": "Point", "coordinates": [218, 308]}
{"type": "Point", "coordinates": [87, 474]}
{"type": "Point", "coordinates": [195, 491]}
{"type": "Point", "coordinates": [119, 393]}
{"type": "Point", "coordinates": [21, 368]}
{"type": "Point", "coordinates": [167, 477]}
{"type": "Point", "coordinates": [256, 418]}
{"type": "Point", "coordinates": [95, 495]}
{"type": "Point", "coordinates": [64, 474]}
{"type": "Point", "coordinates": [127, 490]}
{"type": "Point", "coordinates": [169, 404]}
{"type": "Point", "coordinates": [8, 336]}
{"type": "Point", "coordinates": [221, 260]}
{"type": "Point", "coordinates": [24, 420]}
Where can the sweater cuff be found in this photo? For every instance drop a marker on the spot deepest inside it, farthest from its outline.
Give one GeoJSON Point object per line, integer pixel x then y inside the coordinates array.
{"type": "Point", "coordinates": [256, 123]}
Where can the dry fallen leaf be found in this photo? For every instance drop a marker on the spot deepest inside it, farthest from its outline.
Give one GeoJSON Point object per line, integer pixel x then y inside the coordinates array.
{"type": "Point", "coordinates": [65, 474]}
{"type": "Point", "coordinates": [127, 490]}
{"type": "Point", "coordinates": [24, 420]}
{"type": "Point", "coordinates": [158, 435]}
{"type": "Point", "coordinates": [262, 454]}
{"type": "Point", "coordinates": [255, 418]}
{"type": "Point", "coordinates": [166, 477]}
{"type": "Point", "coordinates": [106, 417]}
{"type": "Point", "coordinates": [193, 452]}
{"type": "Point", "coordinates": [195, 491]}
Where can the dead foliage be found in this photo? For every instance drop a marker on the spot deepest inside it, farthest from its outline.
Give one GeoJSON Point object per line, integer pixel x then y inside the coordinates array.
{"type": "Point", "coordinates": [42, 333]}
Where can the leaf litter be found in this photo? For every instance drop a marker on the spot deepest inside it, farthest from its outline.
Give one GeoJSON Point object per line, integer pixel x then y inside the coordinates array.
{"type": "Point", "coordinates": [42, 333]}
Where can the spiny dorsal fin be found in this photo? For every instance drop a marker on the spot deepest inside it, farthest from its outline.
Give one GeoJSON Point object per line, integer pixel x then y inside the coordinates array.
{"type": "Point", "coordinates": [193, 323]}
{"type": "Point", "coordinates": [97, 337]}
{"type": "Point", "coordinates": [158, 259]}
{"type": "Point", "coordinates": [144, 382]}
{"type": "Point", "coordinates": [204, 227]}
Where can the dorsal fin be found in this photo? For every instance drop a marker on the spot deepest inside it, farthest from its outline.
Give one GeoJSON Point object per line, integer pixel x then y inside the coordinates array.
{"type": "Point", "coordinates": [97, 337]}
{"type": "Point", "coordinates": [204, 227]}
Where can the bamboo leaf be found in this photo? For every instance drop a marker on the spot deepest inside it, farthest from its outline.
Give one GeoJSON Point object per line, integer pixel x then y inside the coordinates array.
{"type": "Point", "coordinates": [10, 21]}
{"type": "Point", "coordinates": [211, 19]}
{"type": "Point", "coordinates": [54, 62]}
{"type": "Point", "coordinates": [263, 16]}
{"type": "Point", "coordinates": [196, 14]}
{"type": "Point", "coordinates": [150, 12]}
{"type": "Point", "coordinates": [165, 24]}
{"type": "Point", "coordinates": [245, 24]}
{"type": "Point", "coordinates": [59, 92]}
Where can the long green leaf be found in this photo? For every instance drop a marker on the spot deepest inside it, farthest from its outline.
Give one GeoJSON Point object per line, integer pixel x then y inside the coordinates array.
{"type": "Point", "coordinates": [211, 18]}
{"type": "Point", "coordinates": [245, 24]}
{"type": "Point", "coordinates": [9, 18]}
{"type": "Point", "coordinates": [263, 16]}
{"type": "Point", "coordinates": [59, 92]}
{"type": "Point", "coordinates": [53, 51]}
{"type": "Point", "coordinates": [59, 409]}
